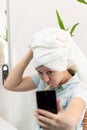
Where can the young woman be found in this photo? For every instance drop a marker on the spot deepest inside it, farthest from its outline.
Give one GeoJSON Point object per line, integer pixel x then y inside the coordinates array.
{"type": "Point", "coordinates": [56, 59]}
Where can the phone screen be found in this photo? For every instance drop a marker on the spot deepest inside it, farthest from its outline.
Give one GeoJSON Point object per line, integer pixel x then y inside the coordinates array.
{"type": "Point", "coordinates": [47, 100]}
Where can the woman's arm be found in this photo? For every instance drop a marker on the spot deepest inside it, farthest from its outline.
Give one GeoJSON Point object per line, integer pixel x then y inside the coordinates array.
{"type": "Point", "coordinates": [65, 119]}
{"type": "Point", "coordinates": [15, 80]}
{"type": "Point", "coordinates": [75, 108]}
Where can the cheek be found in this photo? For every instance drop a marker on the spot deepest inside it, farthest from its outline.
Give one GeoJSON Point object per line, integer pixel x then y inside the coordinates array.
{"type": "Point", "coordinates": [56, 79]}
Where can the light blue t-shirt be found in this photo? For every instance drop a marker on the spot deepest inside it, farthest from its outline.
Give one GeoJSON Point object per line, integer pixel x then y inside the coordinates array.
{"type": "Point", "coordinates": [72, 88]}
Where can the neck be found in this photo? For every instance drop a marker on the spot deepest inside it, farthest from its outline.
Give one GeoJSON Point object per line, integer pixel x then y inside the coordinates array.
{"type": "Point", "coordinates": [67, 76]}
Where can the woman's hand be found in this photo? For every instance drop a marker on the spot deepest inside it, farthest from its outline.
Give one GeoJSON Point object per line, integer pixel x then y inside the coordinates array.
{"type": "Point", "coordinates": [50, 121]}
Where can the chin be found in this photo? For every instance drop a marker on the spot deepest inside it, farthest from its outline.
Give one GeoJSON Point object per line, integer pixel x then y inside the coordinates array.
{"type": "Point", "coordinates": [54, 86]}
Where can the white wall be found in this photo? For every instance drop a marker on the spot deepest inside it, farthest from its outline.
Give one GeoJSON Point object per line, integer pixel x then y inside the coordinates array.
{"type": "Point", "coordinates": [29, 16]}
{"type": "Point", "coordinates": [3, 26]}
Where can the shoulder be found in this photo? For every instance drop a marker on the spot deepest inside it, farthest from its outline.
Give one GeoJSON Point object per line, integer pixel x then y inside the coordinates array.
{"type": "Point", "coordinates": [81, 91]}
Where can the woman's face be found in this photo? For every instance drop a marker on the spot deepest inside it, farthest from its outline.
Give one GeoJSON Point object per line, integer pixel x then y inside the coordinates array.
{"type": "Point", "coordinates": [50, 76]}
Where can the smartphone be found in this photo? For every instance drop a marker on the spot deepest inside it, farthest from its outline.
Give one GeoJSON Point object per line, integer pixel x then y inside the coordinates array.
{"type": "Point", "coordinates": [46, 100]}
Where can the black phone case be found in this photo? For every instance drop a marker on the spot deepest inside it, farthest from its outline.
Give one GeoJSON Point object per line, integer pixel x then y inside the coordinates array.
{"type": "Point", "coordinates": [47, 100]}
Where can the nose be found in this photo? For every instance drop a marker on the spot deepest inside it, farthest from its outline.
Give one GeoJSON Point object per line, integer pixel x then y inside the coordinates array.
{"type": "Point", "coordinates": [45, 78]}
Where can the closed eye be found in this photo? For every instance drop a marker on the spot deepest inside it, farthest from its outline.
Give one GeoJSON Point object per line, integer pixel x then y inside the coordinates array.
{"type": "Point", "coordinates": [39, 72]}
{"type": "Point", "coordinates": [50, 72]}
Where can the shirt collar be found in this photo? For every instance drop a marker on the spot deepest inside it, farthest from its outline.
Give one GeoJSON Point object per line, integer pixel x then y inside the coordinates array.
{"type": "Point", "coordinates": [73, 80]}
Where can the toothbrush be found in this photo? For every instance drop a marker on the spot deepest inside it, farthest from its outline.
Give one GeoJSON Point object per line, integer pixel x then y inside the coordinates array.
{"type": "Point", "coordinates": [47, 87]}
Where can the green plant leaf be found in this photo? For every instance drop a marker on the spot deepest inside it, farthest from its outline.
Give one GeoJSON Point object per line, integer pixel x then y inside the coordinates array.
{"type": "Point", "coordinates": [73, 28]}
{"type": "Point", "coordinates": [60, 21]}
{"type": "Point", "coordinates": [5, 36]}
{"type": "Point", "coordinates": [61, 24]}
{"type": "Point", "coordinates": [82, 1]}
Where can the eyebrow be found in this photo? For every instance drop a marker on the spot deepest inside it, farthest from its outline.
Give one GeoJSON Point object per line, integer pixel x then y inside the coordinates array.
{"type": "Point", "coordinates": [38, 71]}
{"type": "Point", "coordinates": [46, 71]}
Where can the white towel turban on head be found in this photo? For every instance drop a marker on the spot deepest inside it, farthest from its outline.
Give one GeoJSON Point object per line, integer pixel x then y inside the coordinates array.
{"type": "Point", "coordinates": [55, 49]}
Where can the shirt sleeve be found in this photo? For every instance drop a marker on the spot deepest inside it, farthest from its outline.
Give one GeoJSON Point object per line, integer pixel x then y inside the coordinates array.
{"type": "Point", "coordinates": [35, 79]}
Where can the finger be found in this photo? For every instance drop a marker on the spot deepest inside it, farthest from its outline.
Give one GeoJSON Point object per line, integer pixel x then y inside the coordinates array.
{"type": "Point", "coordinates": [45, 113]}
{"type": "Point", "coordinates": [44, 119]}
{"type": "Point", "coordinates": [59, 107]}
{"type": "Point", "coordinates": [41, 121]}
{"type": "Point", "coordinates": [47, 123]}
{"type": "Point", "coordinates": [42, 124]}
